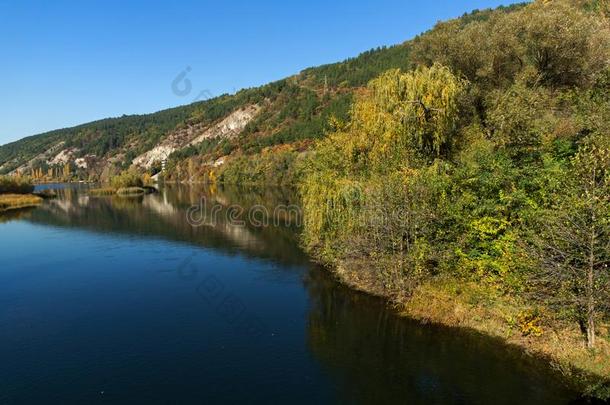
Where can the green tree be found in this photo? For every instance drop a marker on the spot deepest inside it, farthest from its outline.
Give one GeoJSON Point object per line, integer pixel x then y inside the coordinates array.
{"type": "Point", "coordinates": [574, 246]}
{"type": "Point", "coordinates": [129, 178]}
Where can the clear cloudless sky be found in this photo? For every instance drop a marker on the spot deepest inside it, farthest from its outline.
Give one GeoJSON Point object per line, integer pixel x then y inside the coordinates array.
{"type": "Point", "coordinates": [64, 63]}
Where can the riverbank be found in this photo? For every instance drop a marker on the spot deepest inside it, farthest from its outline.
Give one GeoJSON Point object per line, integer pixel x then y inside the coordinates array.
{"type": "Point", "coordinates": [123, 191]}
{"type": "Point", "coordinates": [486, 310]}
{"type": "Point", "coordinates": [17, 201]}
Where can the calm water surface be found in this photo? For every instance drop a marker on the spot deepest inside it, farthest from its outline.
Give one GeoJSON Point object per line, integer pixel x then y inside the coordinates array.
{"type": "Point", "coordinates": [110, 300]}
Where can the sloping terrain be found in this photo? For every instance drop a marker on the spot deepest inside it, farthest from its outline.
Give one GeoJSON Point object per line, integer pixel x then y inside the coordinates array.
{"type": "Point", "coordinates": [297, 108]}
{"type": "Point", "coordinates": [194, 134]}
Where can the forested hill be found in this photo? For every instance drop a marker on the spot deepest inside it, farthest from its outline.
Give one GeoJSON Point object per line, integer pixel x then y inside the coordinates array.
{"type": "Point", "coordinates": [293, 110]}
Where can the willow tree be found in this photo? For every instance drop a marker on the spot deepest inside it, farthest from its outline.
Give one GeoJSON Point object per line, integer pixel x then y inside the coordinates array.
{"type": "Point", "coordinates": [423, 103]}
{"type": "Point", "coordinates": [400, 115]}
{"type": "Point", "coordinates": [399, 122]}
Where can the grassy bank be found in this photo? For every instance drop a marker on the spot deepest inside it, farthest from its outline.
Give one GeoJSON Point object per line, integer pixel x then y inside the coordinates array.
{"type": "Point", "coordinates": [517, 323]}
{"type": "Point", "coordinates": [16, 201]}
{"type": "Point", "coordinates": [487, 310]}
{"type": "Point", "coordinates": [15, 193]}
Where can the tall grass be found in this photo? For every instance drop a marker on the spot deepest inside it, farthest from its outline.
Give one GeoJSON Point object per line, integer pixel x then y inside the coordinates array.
{"type": "Point", "coordinates": [15, 185]}
{"type": "Point", "coordinates": [16, 201]}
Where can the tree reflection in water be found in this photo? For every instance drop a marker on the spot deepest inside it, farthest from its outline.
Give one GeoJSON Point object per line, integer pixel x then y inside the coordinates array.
{"type": "Point", "coordinates": [376, 356]}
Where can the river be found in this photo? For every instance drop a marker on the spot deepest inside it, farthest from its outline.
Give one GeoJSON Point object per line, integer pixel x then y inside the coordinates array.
{"type": "Point", "coordinates": [131, 300]}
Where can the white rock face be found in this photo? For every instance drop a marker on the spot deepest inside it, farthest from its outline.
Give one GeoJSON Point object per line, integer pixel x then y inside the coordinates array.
{"type": "Point", "coordinates": [156, 154]}
{"type": "Point", "coordinates": [81, 163]}
{"type": "Point", "coordinates": [46, 155]}
{"type": "Point", "coordinates": [63, 157]}
{"type": "Point", "coordinates": [229, 127]}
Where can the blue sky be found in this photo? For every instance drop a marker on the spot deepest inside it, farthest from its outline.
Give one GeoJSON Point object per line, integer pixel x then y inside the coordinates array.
{"type": "Point", "coordinates": [65, 63]}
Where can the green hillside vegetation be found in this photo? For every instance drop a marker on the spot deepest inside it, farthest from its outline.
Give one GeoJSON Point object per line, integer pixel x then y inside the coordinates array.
{"type": "Point", "coordinates": [130, 135]}
{"type": "Point", "coordinates": [480, 182]}
{"type": "Point", "coordinates": [295, 109]}
{"type": "Point", "coordinates": [307, 107]}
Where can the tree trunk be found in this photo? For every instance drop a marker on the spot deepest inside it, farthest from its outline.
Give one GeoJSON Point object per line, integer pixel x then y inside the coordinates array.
{"type": "Point", "coordinates": [590, 309]}
{"type": "Point", "coordinates": [591, 293]}
{"type": "Point", "coordinates": [590, 328]}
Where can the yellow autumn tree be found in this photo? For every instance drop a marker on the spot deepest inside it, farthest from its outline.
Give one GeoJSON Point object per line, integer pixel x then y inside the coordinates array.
{"type": "Point", "coordinates": [402, 120]}
{"type": "Point", "coordinates": [400, 116]}
{"type": "Point", "coordinates": [67, 172]}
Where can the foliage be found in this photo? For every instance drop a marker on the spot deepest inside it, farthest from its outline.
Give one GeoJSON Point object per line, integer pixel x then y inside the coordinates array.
{"type": "Point", "coordinates": [271, 167]}
{"type": "Point", "coordinates": [529, 323]}
{"type": "Point", "coordinates": [487, 163]}
{"type": "Point", "coordinates": [15, 185]}
{"type": "Point", "coordinates": [574, 243]}
{"type": "Point", "coordinates": [305, 117]}
{"type": "Point", "coordinates": [554, 43]}
{"type": "Point", "coordinates": [358, 71]}
{"type": "Point", "coordinates": [365, 190]}
{"type": "Point", "coordinates": [127, 179]}
{"type": "Point", "coordinates": [423, 105]}
{"type": "Point", "coordinates": [519, 116]}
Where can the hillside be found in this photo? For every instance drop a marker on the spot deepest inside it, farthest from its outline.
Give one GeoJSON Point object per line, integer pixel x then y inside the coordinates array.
{"type": "Point", "coordinates": [295, 109]}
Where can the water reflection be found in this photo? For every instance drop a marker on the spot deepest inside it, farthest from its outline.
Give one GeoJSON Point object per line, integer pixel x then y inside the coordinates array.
{"type": "Point", "coordinates": [376, 357]}
{"type": "Point", "coordinates": [164, 215]}
{"type": "Point", "coordinates": [363, 352]}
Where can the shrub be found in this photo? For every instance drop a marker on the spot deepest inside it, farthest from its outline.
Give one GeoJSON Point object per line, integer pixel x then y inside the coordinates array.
{"type": "Point", "coordinates": [280, 166]}
{"type": "Point", "coordinates": [127, 179]}
{"type": "Point", "coordinates": [16, 185]}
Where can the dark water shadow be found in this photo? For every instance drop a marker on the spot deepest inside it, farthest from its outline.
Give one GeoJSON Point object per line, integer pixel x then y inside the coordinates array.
{"type": "Point", "coordinates": [377, 356]}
